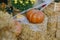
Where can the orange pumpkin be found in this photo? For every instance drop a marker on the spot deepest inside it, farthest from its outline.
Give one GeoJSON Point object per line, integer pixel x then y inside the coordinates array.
{"type": "Point", "coordinates": [35, 16]}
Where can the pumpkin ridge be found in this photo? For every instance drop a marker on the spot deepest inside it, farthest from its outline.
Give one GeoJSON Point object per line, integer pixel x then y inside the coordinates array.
{"type": "Point", "coordinates": [31, 17]}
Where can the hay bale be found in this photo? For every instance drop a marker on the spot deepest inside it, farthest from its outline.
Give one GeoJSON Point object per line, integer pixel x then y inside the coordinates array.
{"type": "Point", "coordinates": [6, 26]}
{"type": "Point", "coordinates": [58, 34]}
{"type": "Point", "coordinates": [58, 26]}
{"type": "Point", "coordinates": [7, 35]}
{"type": "Point", "coordinates": [52, 22]}
{"type": "Point", "coordinates": [34, 31]}
{"type": "Point", "coordinates": [5, 20]}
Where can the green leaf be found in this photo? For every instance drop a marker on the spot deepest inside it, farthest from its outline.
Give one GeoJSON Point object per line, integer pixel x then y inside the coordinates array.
{"type": "Point", "coordinates": [22, 6]}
